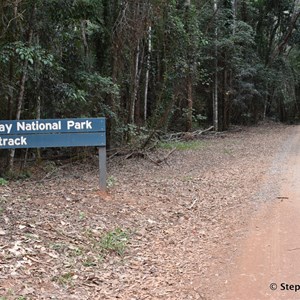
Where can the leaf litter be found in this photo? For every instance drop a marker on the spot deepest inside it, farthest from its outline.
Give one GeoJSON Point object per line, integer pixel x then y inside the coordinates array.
{"type": "Point", "coordinates": [161, 232]}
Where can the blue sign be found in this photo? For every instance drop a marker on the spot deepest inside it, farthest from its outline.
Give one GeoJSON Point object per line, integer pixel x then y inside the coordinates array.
{"type": "Point", "coordinates": [52, 133]}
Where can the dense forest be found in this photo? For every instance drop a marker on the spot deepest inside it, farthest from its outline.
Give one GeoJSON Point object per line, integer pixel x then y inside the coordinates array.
{"type": "Point", "coordinates": [148, 65]}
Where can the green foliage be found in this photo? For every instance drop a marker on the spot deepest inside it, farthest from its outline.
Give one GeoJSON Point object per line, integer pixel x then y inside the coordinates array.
{"type": "Point", "coordinates": [196, 118]}
{"type": "Point", "coordinates": [89, 263]}
{"type": "Point", "coordinates": [114, 242]}
{"type": "Point", "coordinates": [134, 134]}
{"type": "Point", "coordinates": [98, 84]}
{"type": "Point", "coordinates": [3, 181]}
{"type": "Point", "coordinates": [19, 50]}
{"type": "Point", "coordinates": [16, 175]}
{"type": "Point", "coordinates": [111, 181]}
{"type": "Point", "coordinates": [182, 146]}
{"type": "Point", "coordinates": [63, 279]}
{"type": "Point", "coordinates": [17, 298]}
{"type": "Point", "coordinates": [96, 88]}
{"type": "Point", "coordinates": [102, 58]}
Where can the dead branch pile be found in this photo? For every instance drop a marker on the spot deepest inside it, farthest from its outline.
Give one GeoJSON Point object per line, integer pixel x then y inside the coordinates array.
{"type": "Point", "coordinates": [145, 152]}
{"type": "Point", "coordinates": [184, 136]}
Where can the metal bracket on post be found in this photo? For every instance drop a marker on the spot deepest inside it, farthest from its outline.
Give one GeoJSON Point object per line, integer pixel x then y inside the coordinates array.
{"type": "Point", "coordinates": [102, 168]}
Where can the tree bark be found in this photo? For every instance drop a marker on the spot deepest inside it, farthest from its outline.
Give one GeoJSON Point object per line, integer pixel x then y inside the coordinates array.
{"type": "Point", "coordinates": [234, 14]}
{"type": "Point", "coordinates": [226, 100]}
{"type": "Point", "coordinates": [189, 123]}
{"type": "Point", "coordinates": [135, 84]}
{"type": "Point", "coordinates": [83, 25]}
{"type": "Point", "coordinates": [20, 98]}
{"type": "Point", "coordinates": [147, 73]}
{"type": "Point", "coordinates": [10, 102]}
{"type": "Point", "coordinates": [216, 83]}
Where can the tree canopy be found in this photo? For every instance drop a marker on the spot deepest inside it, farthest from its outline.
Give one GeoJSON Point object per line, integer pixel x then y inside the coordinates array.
{"type": "Point", "coordinates": [150, 64]}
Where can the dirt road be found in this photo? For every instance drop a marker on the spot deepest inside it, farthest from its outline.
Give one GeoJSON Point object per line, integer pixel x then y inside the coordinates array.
{"type": "Point", "coordinates": [268, 263]}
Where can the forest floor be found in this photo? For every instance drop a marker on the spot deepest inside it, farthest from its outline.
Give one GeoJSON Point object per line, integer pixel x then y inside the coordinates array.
{"type": "Point", "coordinates": [168, 231]}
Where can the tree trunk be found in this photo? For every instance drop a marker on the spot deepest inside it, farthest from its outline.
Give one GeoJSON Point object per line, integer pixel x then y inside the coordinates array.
{"type": "Point", "coordinates": [234, 14]}
{"type": "Point", "coordinates": [18, 113]}
{"type": "Point", "coordinates": [38, 117]}
{"type": "Point", "coordinates": [135, 84]}
{"type": "Point", "coordinates": [226, 95]}
{"type": "Point", "coordinates": [83, 25]}
{"type": "Point", "coordinates": [189, 77]}
{"type": "Point", "coordinates": [215, 92]}
{"type": "Point", "coordinates": [189, 123]}
{"type": "Point", "coordinates": [147, 72]}
{"type": "Point", "coordinates": [20, 98]}
{"type": "Point", "coordinates": [10, 102]}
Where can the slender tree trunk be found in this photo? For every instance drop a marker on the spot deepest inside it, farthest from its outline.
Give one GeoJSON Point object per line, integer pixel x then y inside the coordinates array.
{"type": "Point", "coordinates": [189, 123]}
{"type": "Point", "coordinates": [18, 113]}
{"type": "Point", "coordinates": [265, 108]}
{"type": "Point", "coordinates": [234, 14]}
{"type": "Point", "coordinates": [147, 72]}
{"type": "Point", "coordinates": [22, 90]}
{"type": "Point", "coordinates": [216, 83]}
{"type": "Point", "coordinates": [83, 25]}
{"type": "Point", "coordinates": [38, 117]}
{"type": "Point", "coordinates": [135, 84]}
{"type": "Point", "coordinates": [189, 77]}
{"type": "Point", "coordinates": [226, 96]}
{"type": "Point", "coordinates": [110, 122]}
{"type": "Point", "coordinates": [10, 99]}
{"type": "Point", "coordinates": [228, 75]}
{"type": "Point", "coordinates": [84, 37]}
{"type": "Point", "coordinates": [20, 98]}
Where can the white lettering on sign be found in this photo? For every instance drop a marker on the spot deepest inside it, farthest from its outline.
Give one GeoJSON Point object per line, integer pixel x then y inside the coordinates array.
{"type": "Point", "coordinates": [79, 125]}
{"type": "Point", "coordinates": [5, 128]}
{"type": "Point", "coordinates": [20, 141]}
{"type": "Point", "coordinates": [35, 125]}
{"type": "Point", "coordinates": [18, 127]}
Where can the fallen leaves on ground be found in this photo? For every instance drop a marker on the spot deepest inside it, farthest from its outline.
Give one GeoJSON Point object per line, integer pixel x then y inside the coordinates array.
{"type": "Point", "coordinates": [180, 222]}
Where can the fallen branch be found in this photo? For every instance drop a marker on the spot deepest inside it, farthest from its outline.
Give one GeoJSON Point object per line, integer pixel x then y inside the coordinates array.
{"type": "Point", "coordinates": [163, 159]}
{"type": "Point", "coordinates": [177, 136]}
{"type": "Point", "coordinates": [199, 132]}
{"type": "Point", "coordinates": [135, 154]}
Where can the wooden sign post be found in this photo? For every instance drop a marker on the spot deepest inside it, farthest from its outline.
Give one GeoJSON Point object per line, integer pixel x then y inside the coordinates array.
{"type": "Point", "coordinates": [57, 133]}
